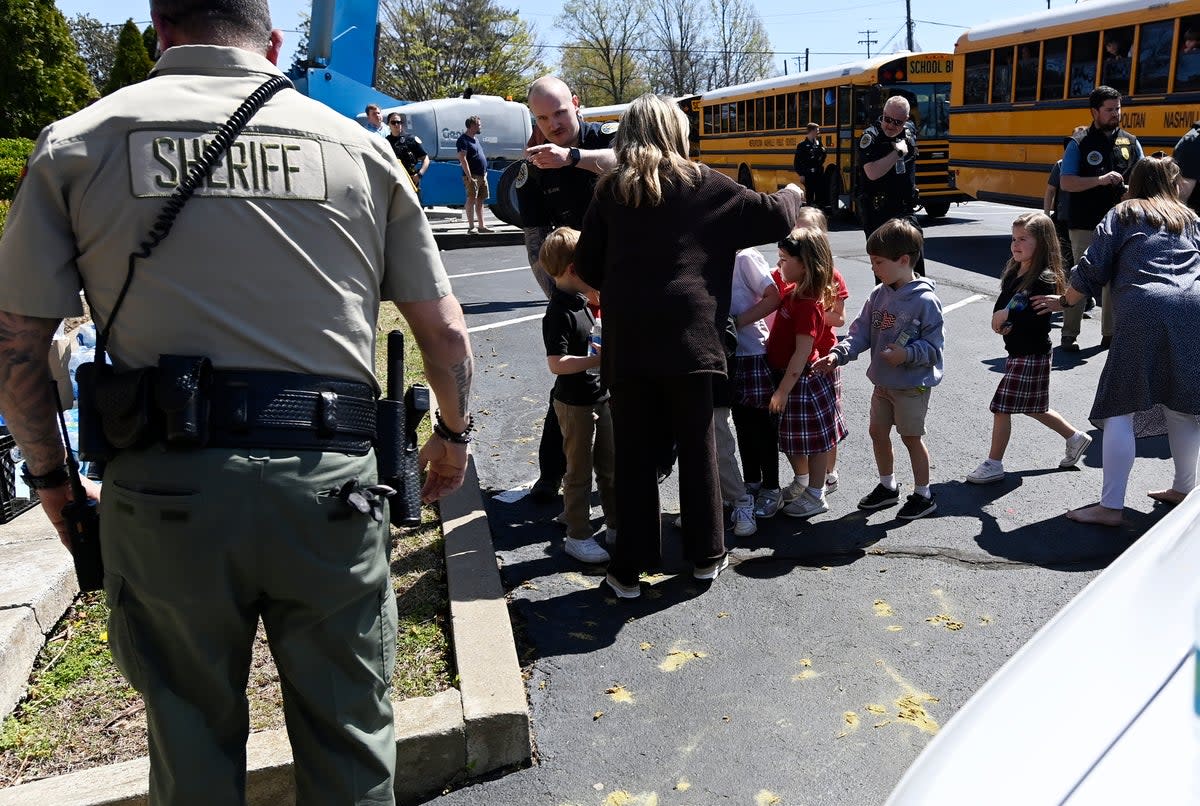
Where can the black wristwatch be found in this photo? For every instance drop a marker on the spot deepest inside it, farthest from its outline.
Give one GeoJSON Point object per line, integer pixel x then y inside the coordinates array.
{"type": "Point", "coordinates": [573, 157]}
{"type": "Point", "coordinates": [1062, 300]}
{"type": "Point", "coordinates": [55, 478]}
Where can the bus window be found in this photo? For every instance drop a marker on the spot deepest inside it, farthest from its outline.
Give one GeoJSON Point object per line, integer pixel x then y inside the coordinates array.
{"type": "Point", "coordinates": [1114, 70]}
{"type": "Point", "coordinates": [1187, 69]}
{"type": "Point", "coordinates": [708, 120]}
{"type": "Point", "coordinates": [740, 116]}
{"type": "Point", "coordinates": [1002, 76]}
{"type": "Point", "coordinates": [805, 115]}
{"type": "Point", "coordinates": [1154, 56]}
{"type": "Point", "coordinates": [1083, 65]}
{"type": "Point", "coordinates": [793, 122]}
{"type": "Point", "coordinates": [862, 107]}
{"type": "Point", "coordinates": [756, 124]}
{"type": "Point", "coordinates": [975, 84]}
{"type": "Point", "coordinates": [1027, 72]}
{"type": "Point", "coordinates": [1054, 69]}
{"type": "Point", "coordinates": [844, 106]}
{"type": "Point", "coordinates": [828, 117]}
{"type": "Point", "coordinates": [782, 112]}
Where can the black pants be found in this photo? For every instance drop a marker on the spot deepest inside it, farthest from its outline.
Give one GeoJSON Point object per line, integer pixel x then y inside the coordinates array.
{"type": "Point", "coordinates": [874, 219]}
{"type": "Point", "coordinates": [642, 409]}
{"type": "Point", "coordinates": [814, 188]}
{"type": "Point", "coordinates": [758, 443]}
{"type": "Point", "coordinates": [552, 462]}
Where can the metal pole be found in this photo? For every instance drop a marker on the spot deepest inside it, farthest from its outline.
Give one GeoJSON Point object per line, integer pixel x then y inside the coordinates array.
{"type": "Point", "coordinates": [909, 22]}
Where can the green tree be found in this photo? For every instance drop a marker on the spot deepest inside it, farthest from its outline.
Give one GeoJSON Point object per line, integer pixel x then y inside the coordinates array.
{"type": "Point", "coordinates": [42, 77]}
{"type": "Point", "coordinates": [300, 60]}
{"type": "Point", "coordinates": [150, 40]}
{"type": "Point", "coordinates": [743, 48]}
{"type": "Point", "coordinates": [132, 63]}
{"type": "Point", "coordinates": [97, 44]}
{"type": "Point", "coordinates": [676, 39]}
{"type": "Point", "coordinates": [600, 60]}
{"type": "Point", "coordinates": [438, 48]}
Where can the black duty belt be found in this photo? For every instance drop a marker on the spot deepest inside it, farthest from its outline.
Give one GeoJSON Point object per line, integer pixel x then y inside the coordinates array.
{"type": "Point", "coordinates": [285, 410]}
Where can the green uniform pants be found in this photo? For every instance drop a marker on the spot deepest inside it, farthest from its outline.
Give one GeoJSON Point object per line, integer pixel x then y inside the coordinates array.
{"type": "Point", "coordinates": [198, 546]}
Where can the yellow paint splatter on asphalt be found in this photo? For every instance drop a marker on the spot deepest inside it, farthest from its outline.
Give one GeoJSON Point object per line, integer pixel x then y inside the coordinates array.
{"type": "Point", "coordinates": [623, 798]}
{"type": "Point", "coordinates": [894, 628]}
{"type": "Point", "coordinates": [946, 621]}
{"type": "Point", "coordinates": [882, 724]}
{"type": "Point", "coordinates": [644, 645]}
{"type": "Point", "coordinates": [722, 614]}
{"type": "Point", "coordinates": [876, 708]}
{"type": "Point", "coordinates": [579, 580]}
{"type": "Point", "coordinates": [528, 586]}
{"type": "Point", "coordinates": [911, 706]}
{"type": "Point", "coordinates": [683, 785]}
{"type": "Point", "coordinates": [883, 609]}
{"type": "Point", "coordinates": [807, 674]}
{"type": "Point", "coordinates": [806, 662]}
{"type": "Point", "coordinates": [654, 579]}
{"type": "Point", "coordinates": [677, 657]}
{"type": "Point", "coordinates": [596, 715]}
{"type": "Point", "coordinates": [851, 720]}
{"type": "Point", "coordinates": [582, 636]}
{"type": "Point", "coordinates": [619, 693]}
{"type": "Point", "coordinates": [766, 798]}
{"type": "Point", "coordinates": [825, 568]}
{"type": "Point", "coordinates": [985, 620]}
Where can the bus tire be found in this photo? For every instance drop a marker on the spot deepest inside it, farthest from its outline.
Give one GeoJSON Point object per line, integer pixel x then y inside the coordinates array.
{"type": "Point", "coordinates": [745, 178]}
{"type": "Point", "coordinates": [833, 192]}
{"type": "Point", "coordinates": [936, 208]}
{"type": "Point", "coordinates": [506, 208]}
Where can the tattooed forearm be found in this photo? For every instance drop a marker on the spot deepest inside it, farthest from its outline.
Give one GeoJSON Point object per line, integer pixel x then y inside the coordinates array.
{"type": "Point", "coordinates": [26, 391]}
{"type": "Point", "coordinates": [441, 333]}
{"type": "Point", "coordinates": [462, 372]}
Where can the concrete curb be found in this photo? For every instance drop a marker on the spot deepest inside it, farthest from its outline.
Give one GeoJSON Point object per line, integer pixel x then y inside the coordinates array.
{"type": "Point", "coordinates": [453, 735]}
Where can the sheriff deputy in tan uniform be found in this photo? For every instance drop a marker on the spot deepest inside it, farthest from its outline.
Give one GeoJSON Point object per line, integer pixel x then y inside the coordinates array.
{"type": "Point", "coordinates": [277, 265]}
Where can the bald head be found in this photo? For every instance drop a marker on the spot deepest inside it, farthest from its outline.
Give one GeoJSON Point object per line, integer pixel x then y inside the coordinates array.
{"type": "Point", "coordinates": [555, 110]}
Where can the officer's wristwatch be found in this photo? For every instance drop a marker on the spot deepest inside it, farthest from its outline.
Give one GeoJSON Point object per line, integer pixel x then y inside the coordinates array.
{"type": "Point", "coordinates": [46, 481]}
{"type": "Point", "coordinates": [573, 157]}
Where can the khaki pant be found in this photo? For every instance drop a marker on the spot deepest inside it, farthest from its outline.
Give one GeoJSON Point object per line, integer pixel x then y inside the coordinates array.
{"type": "Point", "coordinates": [1081, 239]}
{"type": "Point", "coordinates": [198, 546]}
{"type": "Point", "coordinates": [732, 485]}
{"type": "Point", "coordinates": [588, 444]}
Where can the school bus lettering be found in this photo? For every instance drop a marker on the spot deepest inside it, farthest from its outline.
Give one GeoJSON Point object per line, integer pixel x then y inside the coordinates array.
{"type": "Point", "coordinates": [930, 67]}
{"type": "Point", "coordinates": [1133, 120]}
{"type": "Point", "coordinates": [756, 143]}
{"type": "Point", "coordinates": [1179, 119]}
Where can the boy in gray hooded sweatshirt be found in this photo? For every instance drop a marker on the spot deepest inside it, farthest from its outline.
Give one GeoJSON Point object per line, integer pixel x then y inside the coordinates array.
{"type": "Point", "coordinates": [901, 324]}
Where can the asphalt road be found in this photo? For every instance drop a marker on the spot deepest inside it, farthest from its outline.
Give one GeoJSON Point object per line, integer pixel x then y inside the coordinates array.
{"type": "Point", "coordinates": [818, 666]}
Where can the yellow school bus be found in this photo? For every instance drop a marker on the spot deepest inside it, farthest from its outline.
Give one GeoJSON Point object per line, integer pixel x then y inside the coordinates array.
{"type": "Point", "coordinates": [749, 132]}
{"type": "Point", "coordinates": [688, 103]}
{"type": "Point", "coordinates": [1022, 85]}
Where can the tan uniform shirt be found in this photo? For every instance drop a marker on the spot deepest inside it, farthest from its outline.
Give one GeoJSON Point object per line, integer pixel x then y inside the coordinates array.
{"type": "Point", "coordinates": [278, 262]}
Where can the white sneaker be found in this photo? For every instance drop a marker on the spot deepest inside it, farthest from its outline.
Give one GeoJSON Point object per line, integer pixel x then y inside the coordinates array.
{"type": "Point", "coordinates": [711, 571]}
{"type": "Point", "coordinates": [831, 483]}
{"type": "Point", "coordinates": [588, 551]}
{"type": "Point", "coordinates": [806, 506]}
{"type": "Point", "coordinates": [767, 503]}
{"type": "Point", "coordinates": [743, 517]}
{"type": "Point", "coordinates": [987, 472]}
{"type": "Point", "coordinates": [1076, 445]}
{"type": "Point", "coordinates": [794, 491]}
{"type": "Point", "coordinates": [622, 591]}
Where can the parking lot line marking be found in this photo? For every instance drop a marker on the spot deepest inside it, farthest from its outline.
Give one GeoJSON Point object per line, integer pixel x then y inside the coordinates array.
{"type": "Point", "coordinates": [962, 302]}
{"type": "Point", "coordinates": [505, 323]}
{"type": "Point", "coordinates": [481, 273]}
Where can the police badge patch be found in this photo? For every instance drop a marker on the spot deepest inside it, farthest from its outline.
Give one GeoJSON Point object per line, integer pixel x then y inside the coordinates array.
{"type": "Point", "coordinates": [522, 175]}
{"type": "Point", "coordinates": [610, 127]}
{"type": "Point", "coordinates": [866, 140]}
{"type": "Point", "coordinates": [1095, 158]}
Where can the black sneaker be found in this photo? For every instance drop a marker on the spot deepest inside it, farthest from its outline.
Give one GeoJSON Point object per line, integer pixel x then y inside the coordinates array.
{"type": "Point", "coordinates": [880, 497]}
{"type": "Point", "coordinates": [916, 506]}
{"type": "Point", "coordinates": [545, 490]}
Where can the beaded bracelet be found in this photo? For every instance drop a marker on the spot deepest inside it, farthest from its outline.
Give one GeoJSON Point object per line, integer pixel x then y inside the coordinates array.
{"type": "Point", "coordinates": [458, 437]}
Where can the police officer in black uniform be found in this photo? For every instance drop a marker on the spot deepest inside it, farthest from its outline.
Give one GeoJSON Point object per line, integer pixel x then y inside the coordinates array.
{"type": "Point", "coordinates": [809, 163]}
{"type": "Point", "coordinates": [1187, 157]}
{"type": "Point", "coordinates": [886, 162]}
{"type": "Point", "coordinates": [554, 188]}
{"type": "Point", "coordinates": [1096, 164]}
{"type": "Point", "coordinates": [408, 148]}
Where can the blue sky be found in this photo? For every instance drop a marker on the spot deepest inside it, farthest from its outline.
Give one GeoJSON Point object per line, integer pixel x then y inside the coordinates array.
{"type": "Point", "coordinates": [832, 34]}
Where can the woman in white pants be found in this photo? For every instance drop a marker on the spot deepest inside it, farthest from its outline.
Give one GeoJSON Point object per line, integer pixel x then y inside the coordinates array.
{"type": "Point", "coordinates": [1148, 248]}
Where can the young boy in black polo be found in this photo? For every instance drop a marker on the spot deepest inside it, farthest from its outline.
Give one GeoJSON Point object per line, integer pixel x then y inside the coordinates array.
{"type": "Point", "coordinates": [580, 400]}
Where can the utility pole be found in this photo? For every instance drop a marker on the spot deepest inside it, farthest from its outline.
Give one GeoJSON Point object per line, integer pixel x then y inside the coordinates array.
{"type": "Point", "coordinates": [908, 22]}
{"type": "Point", "coordinates": [806, 60]}
{"type": "Point", "coordinates": [868, 41]}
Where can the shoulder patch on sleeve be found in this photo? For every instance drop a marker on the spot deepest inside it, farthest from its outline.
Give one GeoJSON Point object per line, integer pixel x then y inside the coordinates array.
{"type": "Point", "coordinates": [522, 175]}
{"type": "Point", "coordinates": [610, 127]}
{"type": "Point", "coordinates": [866, 140]}
{"type": "Point", "coordinates": [417, 140]}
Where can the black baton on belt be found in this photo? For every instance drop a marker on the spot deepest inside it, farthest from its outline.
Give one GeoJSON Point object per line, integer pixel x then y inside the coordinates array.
{"type": "Point", "coordinates": [397, 443]}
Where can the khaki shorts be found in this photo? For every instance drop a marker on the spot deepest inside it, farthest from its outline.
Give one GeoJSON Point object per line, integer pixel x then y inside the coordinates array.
{"type": "Point", "coordinates": [903, 408]}
{"type": "Point", "coordinates": [477, 187]}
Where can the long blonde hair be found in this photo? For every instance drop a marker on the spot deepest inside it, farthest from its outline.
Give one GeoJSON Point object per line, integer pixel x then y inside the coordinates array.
{"type": "Point", "coordinates": [651, 149]}
{"type": "Point", "coordinates": [810, 246]}
{"type": "Point", "coordinates": [1154, 197]}
{"type": "Point", "coordinates": [1047, 255]}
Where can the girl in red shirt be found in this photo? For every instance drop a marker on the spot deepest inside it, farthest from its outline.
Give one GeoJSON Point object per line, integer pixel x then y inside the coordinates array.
{"type": "Point", "coordinates": [809, 425]}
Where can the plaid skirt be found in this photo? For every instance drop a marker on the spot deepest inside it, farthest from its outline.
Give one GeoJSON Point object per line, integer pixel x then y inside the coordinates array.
{"type": "Point", "coordinates": [1025, 387]}
{"type": "Point", "coordinates": [812, 420]}
{"type": "Point", "coordinates": [752, 384]}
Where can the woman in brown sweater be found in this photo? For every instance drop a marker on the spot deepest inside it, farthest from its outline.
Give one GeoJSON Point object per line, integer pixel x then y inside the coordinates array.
{"type": "Point", "coordinates": [658, 242]}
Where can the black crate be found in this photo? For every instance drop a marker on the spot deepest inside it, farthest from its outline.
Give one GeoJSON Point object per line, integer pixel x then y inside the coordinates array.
{"type": "Point", "coordinates": [10, 505]}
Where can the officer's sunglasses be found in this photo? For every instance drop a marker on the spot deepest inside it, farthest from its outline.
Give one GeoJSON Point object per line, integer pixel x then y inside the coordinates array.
{"type": "Point", "coordinates": [894, 121]}
{"type": "Point", "coordinates": [393, 123]}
